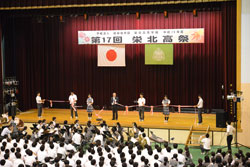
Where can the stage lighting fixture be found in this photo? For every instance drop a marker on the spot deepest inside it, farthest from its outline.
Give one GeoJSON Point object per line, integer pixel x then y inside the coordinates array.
{"type": "Point", "coordinates": [61, 19]}
{"type": "Point", "coordinates": [166, 14]}
{"type": "Point", "coordinates": [195, 12]}
{"type": "Point", "coordinates": [137, 15]}
{"type": "Point", "coordinates": [85, 16]}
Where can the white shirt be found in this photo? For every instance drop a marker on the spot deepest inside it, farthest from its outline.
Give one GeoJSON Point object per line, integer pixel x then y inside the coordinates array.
{"type": "Point", "coordinates": [5, 131]}
{"type": "Point", "coordinates": [17, 162]}
{"type": "Point", "coordinates": [77, 138]}
{"type": "Point", "coordinates": [174, 151]}
{"type": "Point", "coordinates": [165, 102]}
{"type": "Point", "coordinates": [29, 160]}
{"type": "Point", "coordinates": [38, 100]}
{"type": "Point", "coordinates": [99, 137]}
{"type": "Point", "coordinates": [52, 152]}
{"type": "Point", "coordinates": [230, 129]}
{"type": "Point", "coordinates": [114, 100]}
{"type": "Point", "coordinates": [61, 150]}
{"type": "Point", "coordinates": [181, 158]}
{"type": "Point", "coordinates": [8, 163]}
{"type": "Point", "coordinates": [148, 140]}
{"type": "Point", "coordinates": [200, 103]}
{"type": "Point", "coordinates": [41, 155]}
{"type": "Point", "coordinates": [70, 147]}
{"type": "Point", "coordinates": [72, 99]}
{"type": "Point", "coordinates": [206, 143]}
{"type": "Point", "coordinates": [141, 101]}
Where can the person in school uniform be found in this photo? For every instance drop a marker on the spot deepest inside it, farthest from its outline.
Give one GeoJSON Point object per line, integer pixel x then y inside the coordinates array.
{"type": "Point", "coordinates": [200, 106]}
{"type": "Point", "coordinates": [230, 132]}
{"type": "Point", "coordinates": [206, 143]}
{"type": "Point", "coordinates": [114, 101]}
{"type": "Point", "coordinates": [72, 102]}
{"type": "Point", "coordinates": [90, 107]}
{"type": "Point", "coordinates": [141, 103]}
{"type": "Point", "coordinates": [166, 102]}
{"type": "Point", "coordinates": [39, 103]}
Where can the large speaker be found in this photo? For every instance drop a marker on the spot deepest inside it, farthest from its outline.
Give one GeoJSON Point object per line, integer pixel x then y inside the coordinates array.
{"type": "Point", "coordinates": [220, 118]}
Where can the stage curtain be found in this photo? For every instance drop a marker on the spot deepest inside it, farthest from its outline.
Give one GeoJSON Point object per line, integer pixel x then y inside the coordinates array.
{"type": "Point", "coordinates": [46, 57]}
{"type": "Point", "coordinates": [1, 72]}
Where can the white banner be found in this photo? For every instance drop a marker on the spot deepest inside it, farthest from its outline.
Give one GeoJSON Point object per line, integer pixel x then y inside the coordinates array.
{"type": "Point", "coordinates": [145, 36]}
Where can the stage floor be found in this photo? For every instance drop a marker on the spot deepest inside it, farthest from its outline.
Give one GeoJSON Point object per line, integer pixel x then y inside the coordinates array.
{"type": "Point", "coordinates": [178, 121]}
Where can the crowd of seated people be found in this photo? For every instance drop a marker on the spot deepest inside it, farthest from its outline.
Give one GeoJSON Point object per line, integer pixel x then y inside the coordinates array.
{"type": "Point", "coordinates": [225, 159]}
{"type": "Point", "coordinates": [71, 145]}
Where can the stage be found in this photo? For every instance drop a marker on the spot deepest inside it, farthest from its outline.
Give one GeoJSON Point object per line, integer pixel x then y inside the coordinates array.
{"type": "Point", "coordinates": [177, 121]}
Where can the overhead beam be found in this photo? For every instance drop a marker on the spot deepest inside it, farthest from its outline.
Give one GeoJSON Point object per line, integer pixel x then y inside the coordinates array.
{"type": "Point", "coordinates": [171, 2]}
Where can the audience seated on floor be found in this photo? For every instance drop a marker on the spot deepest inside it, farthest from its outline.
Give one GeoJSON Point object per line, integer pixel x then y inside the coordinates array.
{"type": "Point", "coordinates": [71, 145]}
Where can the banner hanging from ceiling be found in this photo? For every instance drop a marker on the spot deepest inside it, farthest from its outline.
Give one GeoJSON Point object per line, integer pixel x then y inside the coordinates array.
{"type": "Point", "coordinates": [145, 36]}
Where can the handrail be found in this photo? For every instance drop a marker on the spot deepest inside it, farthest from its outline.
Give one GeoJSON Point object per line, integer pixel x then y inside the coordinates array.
{"type": "Point", "coordinates": [189, 136]}
{"type": "Point", "coordinates": [207, 129]}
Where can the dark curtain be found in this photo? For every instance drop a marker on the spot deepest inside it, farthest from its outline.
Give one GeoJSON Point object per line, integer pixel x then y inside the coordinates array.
{"type": "Point", "coordinates": [46, 57]}
{"type": "Point", "coordinates": [1, 72]}
{"type": "Point", "coordinates": [229, 48]}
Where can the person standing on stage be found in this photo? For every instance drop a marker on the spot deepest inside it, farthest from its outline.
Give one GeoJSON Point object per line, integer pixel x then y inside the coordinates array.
{"type": "Point", "coordinates": [200, 106]}
{"type": "Point", "coordinates": [166, 102]}
{"type": "Point", "coordinates": [230, 132]}
{"type": "Point", "coordinates": [114, 101]}
{"type": "Point", "coordinates": [39, 103]}
{"type": "Point", "coordinates": [141, 103]}
{"type": "Point", "coordinates": [72, 102]}
{"type": "Point", "coordinates": [90, 107]}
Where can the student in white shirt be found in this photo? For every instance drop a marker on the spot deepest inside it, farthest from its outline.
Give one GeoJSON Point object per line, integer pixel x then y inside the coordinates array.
{"type": "Point", "coordinates": [72, 102]}
{"type": "Point", "coordinates": [30, 158]}
{"type": "Point", "coordinates": [54, 121]}
{"type": "Point", "coordinates": [39, 103]}
{"type": "Point", "coordinates": [181, 158]}
{"type": "Point", "coordinates": [42, 154]}
{"type": "Point", "coordinates": [206, 143]}
{"type": "Point", "coordinates": [7, 131]}
{"type": "Point", "coordinates": [99, 137]}
{"type": "Point", "coordinates": [77, 138]}
{"type": "Point", "coordinates": [165, 103]}
{"type": "Point", "coordinates": [146, 138]}
{"type": "Point", "coordinates": [69, 147]}
{"type": "Point", "coordinates": [61, 150]}
{"type": "Point", "coordinates": [168, 153]}
{"type": "Point", "coordinates": [141, 103]}
{"type": "Point", "coordinates": [52, 150]}
{"type": "Point", "coordinates": [8, 163]}
{"type": "Point", "coordinates": [230, 132]}
{"type": "Point", "coordinates": [175, 149]}
{"type": "Point", "coordinates": [18, 160]}
{"type": "Point", "coordinates": [200, 106]}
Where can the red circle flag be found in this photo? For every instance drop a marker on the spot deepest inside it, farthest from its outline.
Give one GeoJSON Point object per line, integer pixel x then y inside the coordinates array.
{"type": "Point", "coordinates": [111, 55]}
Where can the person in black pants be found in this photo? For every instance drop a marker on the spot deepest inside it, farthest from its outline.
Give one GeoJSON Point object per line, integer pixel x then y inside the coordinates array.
{"type": "Point", "coordinates": [39, 103]}
{"type": "Point", "coordinates": [230, 132]}
{"type": "Point", "coordinates": [114, 101]}
{"type": "Point", "coordinates": [141, 103]}
{"type": "Point", "coordinates": [200, 106]}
